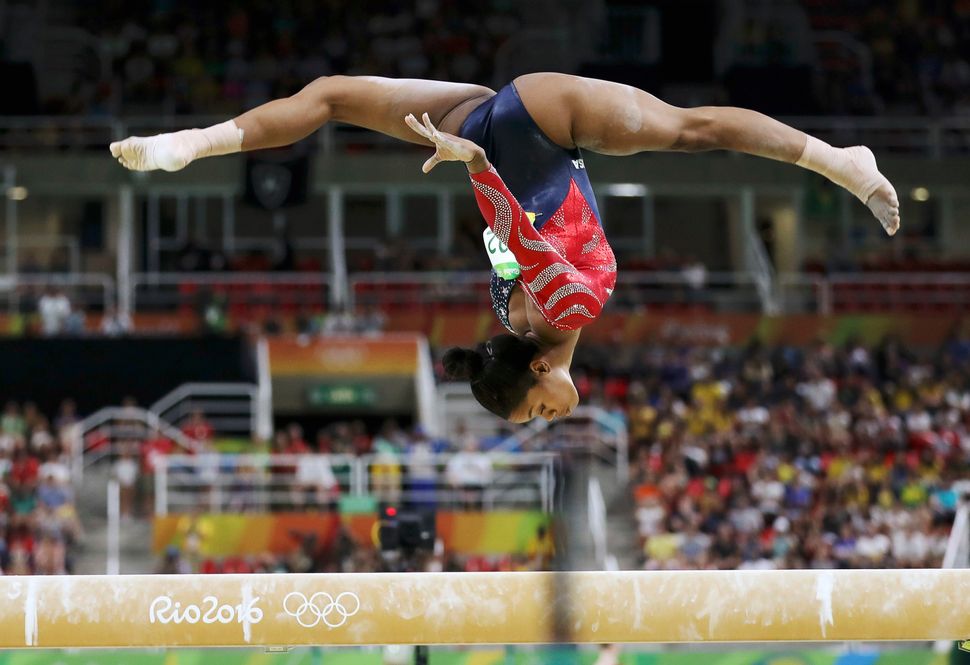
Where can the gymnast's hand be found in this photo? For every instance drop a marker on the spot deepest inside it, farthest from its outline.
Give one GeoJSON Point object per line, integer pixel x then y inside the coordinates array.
{"type": "Point", "coordinates": [449, 148]}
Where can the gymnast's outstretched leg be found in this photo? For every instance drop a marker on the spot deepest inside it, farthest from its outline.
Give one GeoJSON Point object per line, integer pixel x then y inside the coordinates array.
{"type": "Point", "coordinates": [366, 101]}
{"type": "Point", "coordinates": [615, 119]}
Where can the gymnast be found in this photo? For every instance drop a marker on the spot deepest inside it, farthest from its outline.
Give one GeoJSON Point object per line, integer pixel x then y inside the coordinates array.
{"type": "Point", "coordinates": [541, 207]}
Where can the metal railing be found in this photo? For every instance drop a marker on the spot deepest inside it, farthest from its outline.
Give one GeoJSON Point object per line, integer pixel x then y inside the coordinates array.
{"type": "Point", "coordinates": [255, 482]}
{"type": "Point", "coordinates": [728, 291]}
{"type": "Point", "coordinates": [85, 290]}
{"type": "Point", "coordinates": [110, 431]}
{"type": "Point", "coordinates": [231, 408]}
{"type": "Point", "coordinates": [292, 292]}
{"type": "Point", "coordinates": [284, 290]}
{"type": "Point", "coordinates": [718, 291]}
{"type": "Point", "coordinates": [913, 135]}
{"type": "Point", "coordinates": [908, 135]}
{"type": "Point", "coordinates": [875, 291]}
{"type": "Point", "coordinates": [407, 289]}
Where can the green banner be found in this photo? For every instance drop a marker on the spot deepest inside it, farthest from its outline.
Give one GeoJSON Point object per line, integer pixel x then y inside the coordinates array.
{"type": "Point", "coordinates": [341, 394]}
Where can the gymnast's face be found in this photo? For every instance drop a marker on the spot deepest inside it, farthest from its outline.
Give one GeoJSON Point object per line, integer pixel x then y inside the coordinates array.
{"type": "Point", "coordinates": [553, 396]}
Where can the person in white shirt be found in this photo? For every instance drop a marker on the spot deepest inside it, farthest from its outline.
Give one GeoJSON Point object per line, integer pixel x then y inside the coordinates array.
{"type": "Point", "coordinates": [469, 472]}
{"type": "Point", "coordinates": [818, 391]}
{"type": "Point", "coordinates": [126, 473]}
{"type": "Point", "coordinates": [746, 518]}
{"type": "Point", "coordinates": [54, 309]}
{"type": "Point", "coordinates": [650, 516]}
{"type": "Point", "coordinates": [315, 476]}
{"type": "Point", "coordinates": [874, 545]}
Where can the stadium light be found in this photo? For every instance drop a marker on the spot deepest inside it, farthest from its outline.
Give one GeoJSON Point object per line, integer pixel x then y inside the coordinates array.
{"type": "Point", "coordinates": [17, 193]}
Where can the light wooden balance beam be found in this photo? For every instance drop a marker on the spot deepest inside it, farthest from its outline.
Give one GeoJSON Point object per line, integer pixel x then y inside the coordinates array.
{"type": "Point", "coordinates": [484, 608]}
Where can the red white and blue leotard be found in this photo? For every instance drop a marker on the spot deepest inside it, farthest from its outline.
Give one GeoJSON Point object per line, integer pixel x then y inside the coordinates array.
{"type": "Point", "coordinates": [568, 267]}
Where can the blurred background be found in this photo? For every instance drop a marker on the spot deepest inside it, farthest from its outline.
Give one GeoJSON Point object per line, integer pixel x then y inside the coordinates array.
{"type": "Point", "coordinates": [235, 368]}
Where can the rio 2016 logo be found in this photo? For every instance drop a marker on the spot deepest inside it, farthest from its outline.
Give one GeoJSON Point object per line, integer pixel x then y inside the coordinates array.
{"type": "Point", "coordinates": [164, 610]}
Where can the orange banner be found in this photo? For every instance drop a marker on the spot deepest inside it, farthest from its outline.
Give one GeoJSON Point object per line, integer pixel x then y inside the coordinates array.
{"type": "Point", "coordinates": [387, 355]}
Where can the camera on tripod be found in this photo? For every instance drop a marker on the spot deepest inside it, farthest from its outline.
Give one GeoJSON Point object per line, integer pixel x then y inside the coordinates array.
{"type": "Point", "coordinates": [404, 536]}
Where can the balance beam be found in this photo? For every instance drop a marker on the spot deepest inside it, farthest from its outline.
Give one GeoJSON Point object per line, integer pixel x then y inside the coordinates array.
{"type": "Point", "coordinates": [483, 608]}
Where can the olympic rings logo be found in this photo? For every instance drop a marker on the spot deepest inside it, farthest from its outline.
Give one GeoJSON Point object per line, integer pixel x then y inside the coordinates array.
{"type": "Point", "coordinates": [321, 607]}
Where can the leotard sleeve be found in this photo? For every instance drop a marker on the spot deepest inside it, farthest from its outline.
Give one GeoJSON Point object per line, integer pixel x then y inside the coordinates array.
{"type": "Point", "coordinates": [568, 297]}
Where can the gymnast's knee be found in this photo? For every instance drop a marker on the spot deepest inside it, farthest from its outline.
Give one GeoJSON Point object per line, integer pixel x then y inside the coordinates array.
{"type": "Point", "coordinates": [321, 95]}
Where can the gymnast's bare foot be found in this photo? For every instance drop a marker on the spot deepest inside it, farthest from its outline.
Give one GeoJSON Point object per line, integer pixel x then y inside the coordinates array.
{"type": "Point", "coordinates": [149, 153]}
{"type": "Point", "coordinates": [878, 194]}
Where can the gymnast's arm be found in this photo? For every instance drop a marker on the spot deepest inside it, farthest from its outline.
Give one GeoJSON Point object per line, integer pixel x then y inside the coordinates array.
{"type": "Point", "coordinates": [568, 298]}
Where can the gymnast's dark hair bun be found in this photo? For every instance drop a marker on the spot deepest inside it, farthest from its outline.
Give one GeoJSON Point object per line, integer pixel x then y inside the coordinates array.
{"type": "Point", "coordinates": [497, 370]}
{"type": "Point", "coordinates": [462, 363]}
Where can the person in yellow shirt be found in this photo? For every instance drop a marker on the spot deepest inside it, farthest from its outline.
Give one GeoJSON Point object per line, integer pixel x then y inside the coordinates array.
{"type": "Point", "coordinates": [913, 494]}
{"type": "Point", "coordinates": [662, 547]}
{"type": "Point", "coordinates": [541, 548]}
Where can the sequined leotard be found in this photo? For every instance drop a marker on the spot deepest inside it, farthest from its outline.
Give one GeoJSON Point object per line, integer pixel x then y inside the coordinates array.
{"type": "Point", "coordinates": [568, 267]}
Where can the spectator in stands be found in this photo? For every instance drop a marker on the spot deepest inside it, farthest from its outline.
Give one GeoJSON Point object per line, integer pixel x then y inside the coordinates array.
{"type": "Point", "coordinates": [385, 470]}
{"type": "Point", "coordinates": [296, 443]}
{"type": "Point", "coordinates": [339, 322]}
{"type": "Point", "coordinates": [155, 446]}
{"type": "Point", "coordinates": [371, 321]}
{"type": "Point", "coordinates": [173, 563]}
{"type": "Point", "coordinates": [468, 473]}
{"type": "Point", "coordinates": [50, 553]}
{"type": "Point", "coordinates": [315, 483]}
{"type": "Point", "coordinates": [541, 549]}
{"type": "Point", "coordinates": [422, 472]}
{"type": "Point", "coordinates": [54, 309]}
{"type": "Point", "coordinates": [198, 428]}
{"type": "Point", "coordinates": [126, 472]}
{"type": "Point", "coordinates": [66, 421]}
{"type": "Point", "coordinates": [694, 273]}
{"type": "Point", "coordinates": [41, 438]}
{"type": "Point", "coordinates": [24, 471]}
{"type": "Point", "coordinates": [12, 421]}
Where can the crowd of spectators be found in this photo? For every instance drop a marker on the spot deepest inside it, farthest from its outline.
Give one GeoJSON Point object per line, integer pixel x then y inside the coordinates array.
{"type": "Point", "coordinates": [873, 57]}
{"type": "Point", "coordinates": [847, 455]}
{"type": "Point", "coordinates": [754, 457]}
{"type": "Point", "coordinates": [214, 60]}
{"type": "Point", "coordinates": [828, 456]}
{"type": "Point", "coordinates": [221, 57]}
{"type": "Point", "coordinates": [39, 524]}
{"type": "Point", "coordinates": [153, 57]}
{"type": "Point", "coordinates": [920, 51]}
